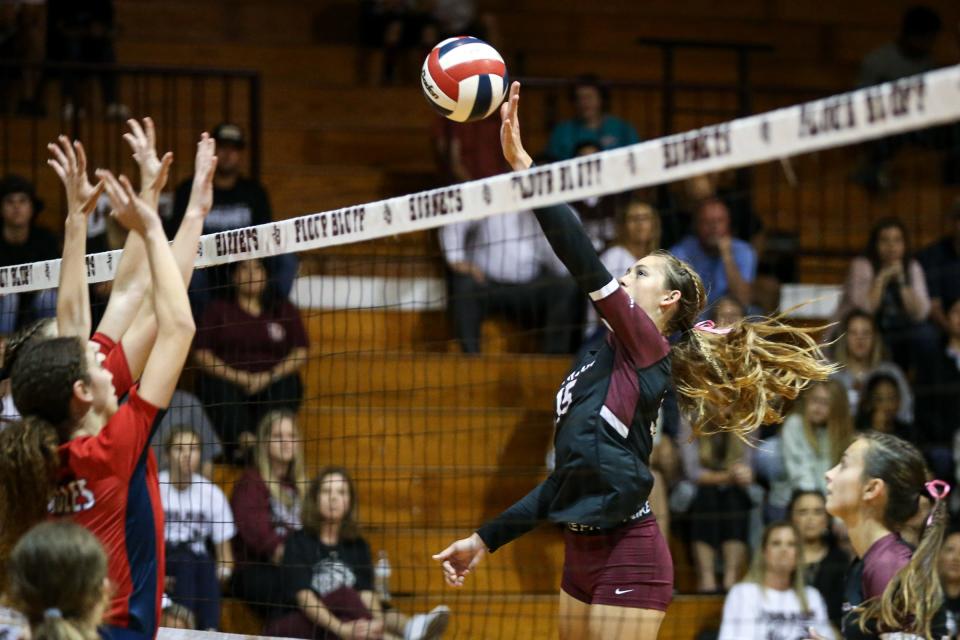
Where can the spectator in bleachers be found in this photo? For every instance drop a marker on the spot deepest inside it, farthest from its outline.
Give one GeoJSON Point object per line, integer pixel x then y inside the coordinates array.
{"type": "Point", "coordinates": [598, 214]}
{"type": "Point", "coordinates": [824, 563]}
{"type": "Point", "coordinates": [83, 31]}
{"type": "Point", "coordinates": [176, 616]}
{"type": "Point", "coordinates": [727, 265]}
{"type": "Point", "coordinates": [816, 435]}
{"type": "Point", "coordinates": [773, 601]}
{"type": "Point", "coordinates": [395, 27]}
{"type": "Point", "coordinates": [23, 241]}
{"type": "Point", "coordinates": [591, 122]}
{"type": "Point", "coordinates": [468, 150]}
{"type": "Point", "coordinates": [496, 265]}
{"type": "Point", "coordinates": [887, 282]}
{"type": "Point", "coordinates": [8, 410]}
{"type": "Point", "coordinates": [238, 201]}
{"type": "Point", "coordinates": [941, 265]}
{"type": "Point", "coordinates": [460, 17]}
{"type": "Point", "coordinates": [860, 353]}
{"type": "Point", "coordinates": [186, 411]}
{"type": "Point", "coordinates": [250, 349]}
{"type": "Point", "coordinates": [948, 566]}
{"type": "Point", "coordinates": [266, 503]}
{"type": "Point", "coordinates": [197, 518]}
{"type": "Point", "coordinates": [879, 406]}
{"type": "Point", "coordinates": [23, 34]}
{"type": "Point", "coordinates": [328, 574]}
{"type": "Point", "coordinates": [719, 468]}
{"type": "Point", "coordinates": [682, 198]}
{"type": "Point", "coordinates": [910, 54]}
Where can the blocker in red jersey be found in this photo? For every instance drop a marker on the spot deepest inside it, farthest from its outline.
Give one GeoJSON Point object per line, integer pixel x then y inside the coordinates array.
{"type": "Point", "coordinates": [464, 79]}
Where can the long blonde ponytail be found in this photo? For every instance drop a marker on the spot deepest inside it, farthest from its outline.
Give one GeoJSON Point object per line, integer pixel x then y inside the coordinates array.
{"type": "Point", "coordinates": [737, 379]}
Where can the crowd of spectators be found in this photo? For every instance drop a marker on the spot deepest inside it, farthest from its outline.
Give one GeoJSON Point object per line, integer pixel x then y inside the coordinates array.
{"type": "Point", "coordinates": [283, 543]}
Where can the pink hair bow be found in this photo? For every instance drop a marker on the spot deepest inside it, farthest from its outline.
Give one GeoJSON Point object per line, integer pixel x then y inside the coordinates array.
{"type": "Point", "coordinates": [710, 327]}
{"type": "Point", "coordinates": [938, 490]}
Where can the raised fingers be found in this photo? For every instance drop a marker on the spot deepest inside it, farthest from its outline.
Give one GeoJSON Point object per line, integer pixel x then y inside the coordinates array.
{"type": "Point", "coordinates": [81, 157]}
{"type": "Point", "coordinates": [114, 189]}
{"type": "Point", "coordinates": [151, 132]}
{"type": "Point", "coordinates": [68, 150]}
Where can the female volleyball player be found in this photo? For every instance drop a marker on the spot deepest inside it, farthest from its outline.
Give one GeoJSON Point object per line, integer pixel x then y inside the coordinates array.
{"type": "Point", "coordinates": [76, 455]}
{"type": "Point", "coordinates": [618, 575]}
{"type": "Point", "coordinates": [58, 581]}
{"type": "Point", "coordinates": [875, 489]}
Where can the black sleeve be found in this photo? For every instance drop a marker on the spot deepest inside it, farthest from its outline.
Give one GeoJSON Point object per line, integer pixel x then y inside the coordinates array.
{"type": "Point", "coordinates": [180, 200]}
{"type": "Point", "coordinates": [523, 516]}
{"type": "Point", "coordinates": [297, 568]}
{"type": "Point", "coordinates": [363, 566]}
{"type": "Point", "coordinates": [262, 213]}
{"type": "Point", "coordinates": [571, 244]}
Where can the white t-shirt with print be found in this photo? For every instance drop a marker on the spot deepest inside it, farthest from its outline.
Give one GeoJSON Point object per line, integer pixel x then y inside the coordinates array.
{"type": "Point", "coordinates": [751, 612]}
{"type": "Point", "coordinates": [197, 513]}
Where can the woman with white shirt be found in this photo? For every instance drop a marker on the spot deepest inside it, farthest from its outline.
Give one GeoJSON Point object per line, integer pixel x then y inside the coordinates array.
{"type": "Point", "coordinates": [889, 284]}
{"type": "Point", "coordinates": [772, 602]}
{"type": "Point", "coordinates": [816, 435]}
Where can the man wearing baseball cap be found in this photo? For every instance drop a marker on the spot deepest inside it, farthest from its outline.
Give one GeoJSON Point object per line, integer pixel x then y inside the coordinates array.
{"type": "Point", "coordinates": [22, 241]}
{"type": "Point", "coordinates": [238, 201]}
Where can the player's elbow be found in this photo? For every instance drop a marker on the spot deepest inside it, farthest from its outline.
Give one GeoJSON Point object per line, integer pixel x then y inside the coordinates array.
{"type": "Point", "coordinates": [183, 325]}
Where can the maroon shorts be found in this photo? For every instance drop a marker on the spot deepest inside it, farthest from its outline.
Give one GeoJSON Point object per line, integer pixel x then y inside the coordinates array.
{"type": "Point", "coordinates": [629, 566]}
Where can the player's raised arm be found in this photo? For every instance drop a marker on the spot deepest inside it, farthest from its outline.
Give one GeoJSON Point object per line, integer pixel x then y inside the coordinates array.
{"type": "Point", "coordinates": [175, 326]}
{"type": "Point", "coordinates": [133, 275]}
{"type": "Point", "coordinates": [138, 340]}
{"type": "Point", "coordinates": [69, 161]}
{"type": "Point", "coordinates": [559, 222]}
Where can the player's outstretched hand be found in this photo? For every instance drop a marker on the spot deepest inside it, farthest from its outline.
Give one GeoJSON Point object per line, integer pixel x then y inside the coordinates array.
{"type": "Point", "coordinates": [205, 165]}
{"type": "Point", "coordinates": [513, 151]}
{"type": "Point", "coordinates": [153, 170]}
{"type": "Point", "coordinates": [70, 163]}
{"type": "Point", "coordinates": [460, 558]}
{"type": "Point", "coordinates": [129, 209]}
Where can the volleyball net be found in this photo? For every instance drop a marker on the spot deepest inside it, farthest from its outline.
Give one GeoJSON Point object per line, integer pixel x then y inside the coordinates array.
{"type": "Point", "coordinates": [434, 387]}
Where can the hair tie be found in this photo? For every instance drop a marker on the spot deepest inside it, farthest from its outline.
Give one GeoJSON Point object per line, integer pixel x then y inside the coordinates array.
{"type": "Point", "coordinates": [938, 490]}
{"type": "Point", "coordinates": [710, 327]}
{"type": "Point", "coordinates": [52, 613]}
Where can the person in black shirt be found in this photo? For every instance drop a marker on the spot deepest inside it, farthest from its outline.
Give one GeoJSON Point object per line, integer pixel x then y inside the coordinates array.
{"type": "Point", "coordinates": [328, 575]}
{"type": "Point", "coordinates": [824, 563]}
{"type": "Point", "coordinates": [949, 569]}
{"type": "Point", "coordinates": [618, 575]}
{"type": "Point", "coordinates": [22, 241]}
{"type": "Point", "coordinates": [238, 201]}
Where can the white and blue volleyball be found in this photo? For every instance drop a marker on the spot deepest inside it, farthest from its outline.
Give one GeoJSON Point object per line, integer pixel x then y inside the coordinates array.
{"type": "Point", "coordinates": [464, 79]}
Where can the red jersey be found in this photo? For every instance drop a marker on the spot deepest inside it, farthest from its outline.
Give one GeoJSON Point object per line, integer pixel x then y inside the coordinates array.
{"type": "Point", "coordinates": [108, 484]}
{"type": "Point", "coordinates": [115, 362]}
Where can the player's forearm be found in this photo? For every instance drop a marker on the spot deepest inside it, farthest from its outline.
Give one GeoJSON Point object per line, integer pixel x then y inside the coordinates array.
{"type": "Point", "coordinates": [73, 298]}
{"type": "Point", "coordinates": [571, 244]}
{"type": "Point", "coordinates": [523, 516]}
{"type": "Point", "coordinates": [129, 287]}
{"type": "Point", "coordinates": [315, 610]}
{"type": "Point", "coordinates": [185, 242]}
{"type": "Point", "coordinates": [291, 364]}
{"type": "Point", "coordinates": [739, 287]}
{"type": "Point", "coordinates": [214, 366]}
{"type": "Point", "coordinates": [170, 302]}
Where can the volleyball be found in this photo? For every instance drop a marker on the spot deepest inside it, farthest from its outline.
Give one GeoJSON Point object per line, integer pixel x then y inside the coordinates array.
{"type": "Point", "coordinates": [464, 79]}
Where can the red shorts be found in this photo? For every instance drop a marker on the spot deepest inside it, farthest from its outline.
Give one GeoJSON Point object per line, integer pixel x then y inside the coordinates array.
{"type": "Point", "coordinates": [630, 566]}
